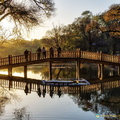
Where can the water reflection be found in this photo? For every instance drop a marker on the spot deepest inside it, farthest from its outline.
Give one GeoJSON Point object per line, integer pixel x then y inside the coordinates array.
{"type": "Point", "coordinates": [6, 97]}
{"type": "Point", "coordinates": [39, 90]}
{"type": "Point", "coordinates": [103, 99]}
{"type": "Point", "coordinates": [65, 70]}
{"type": "Point", "coordinates": [21, 114]}
{"type": "Point", "coordinates": [3, 101]}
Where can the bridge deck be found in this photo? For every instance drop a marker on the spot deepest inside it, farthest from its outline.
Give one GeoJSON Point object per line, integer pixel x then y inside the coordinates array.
{"type": "Point", "coordinates": [84, 56]}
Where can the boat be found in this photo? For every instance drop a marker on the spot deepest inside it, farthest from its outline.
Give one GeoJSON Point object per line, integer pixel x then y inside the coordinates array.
{"type": "Point", "coordinates": [65, 82]}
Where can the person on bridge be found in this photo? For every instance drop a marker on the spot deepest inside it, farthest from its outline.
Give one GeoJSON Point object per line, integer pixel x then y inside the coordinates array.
{"type": "Point", "coordinates": [51, 52]}
{"type": "Point", "coordinates": [38, 53]}
{"type": "Point", "coordinates": [44, 52]}
{"type": "Point", "coordinates": [26, 53]}
{"type": "Point", "coordinates": [59, 51]}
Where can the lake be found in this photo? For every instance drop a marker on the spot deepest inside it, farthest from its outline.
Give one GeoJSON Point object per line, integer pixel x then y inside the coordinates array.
{"type": "Point", "coordinates": [99, 101]}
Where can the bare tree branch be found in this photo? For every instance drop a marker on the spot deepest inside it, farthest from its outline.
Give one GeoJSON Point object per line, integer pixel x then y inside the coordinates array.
{"type": "Point", "coordinates": [26, 13]}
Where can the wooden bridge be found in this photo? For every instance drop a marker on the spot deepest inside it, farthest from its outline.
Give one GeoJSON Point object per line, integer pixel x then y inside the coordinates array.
{"type": "Point", "coordinates": [65, 56]}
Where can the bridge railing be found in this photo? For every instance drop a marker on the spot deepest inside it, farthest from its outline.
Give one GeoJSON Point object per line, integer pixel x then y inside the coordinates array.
{"type": "Point", "coordinates": [64, 54]}
{"type": "Point", "coordinates": [17, 59]}
{"type": "Point", "coordinates": [4, 61]}
{"type": "Point", "coordinates": [90, 55]}
{"type": "Point", "coordinates": [33, 86]}
{"type": "Point", "coordinates": [70, 54]}
{"type": "Point", "coordinates": [111, 58]}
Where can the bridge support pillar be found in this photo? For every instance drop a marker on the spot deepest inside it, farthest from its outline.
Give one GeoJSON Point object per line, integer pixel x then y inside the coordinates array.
{"type": "Point", "coordinates": [78, 69]}
{"type": "Point", "coordinates": [10, 71]}
{"type": "Point", "coordinates": [100, 71]}
{"type": "Point", "coordinates": [25, 71]}
{"type": "Point", "coordinates": [119, 70]}
{"type": "Point", "coordinates": [50, 70]}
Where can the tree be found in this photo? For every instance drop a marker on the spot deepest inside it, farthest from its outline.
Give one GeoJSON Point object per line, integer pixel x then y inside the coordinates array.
{"type": "Point", "coordinates": [97, 36]}
{"type": "Point", "coordinates": [25, 13]}
{"type": "Point", "coordinates": [112, 18]}
{"type": "Point", "coordinates": [89, 32]}
{"type": "Point", "coordinates": [54, 37]}
{"type": "Point", "coordinates": [4, 35]}
{"type": "Point", "coordinates": [71, 40]}
{"type": "Point", "coordinates": [80, 27]}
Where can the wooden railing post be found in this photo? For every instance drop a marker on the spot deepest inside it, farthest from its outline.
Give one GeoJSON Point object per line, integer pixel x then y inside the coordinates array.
{"type": "Point", "coordinates": [10, 59]}
{"type": "Point", "coordinates": [78, 53]}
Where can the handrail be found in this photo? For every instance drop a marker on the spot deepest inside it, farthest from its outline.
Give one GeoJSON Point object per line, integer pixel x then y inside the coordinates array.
{"type": "Point", "coordinates": [64, 54]}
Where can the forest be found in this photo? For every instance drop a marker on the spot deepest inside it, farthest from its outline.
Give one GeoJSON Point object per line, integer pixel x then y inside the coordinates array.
{"type": "Point", "coordinates": [88, 32]}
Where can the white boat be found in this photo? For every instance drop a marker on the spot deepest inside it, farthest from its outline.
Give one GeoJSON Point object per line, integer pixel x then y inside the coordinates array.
{"type": "Point", "coordinates": [66, 83]}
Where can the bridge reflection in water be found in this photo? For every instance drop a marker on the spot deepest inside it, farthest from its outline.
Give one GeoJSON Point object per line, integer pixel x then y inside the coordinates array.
{"type": "Point", "coordinates": [101, 98]}
{"type": "Point", "coordinates": [33, 85]}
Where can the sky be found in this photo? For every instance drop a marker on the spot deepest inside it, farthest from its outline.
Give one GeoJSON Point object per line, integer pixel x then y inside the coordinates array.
{"type": "Point", "coordinates": [68, 10]}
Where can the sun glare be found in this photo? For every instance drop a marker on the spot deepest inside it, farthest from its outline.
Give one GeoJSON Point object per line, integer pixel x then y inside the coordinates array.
{"type": "Point", "coordinates": [18, 74]}
{"type": "Point", "coordinates": [4, 72]}
{"type": "Point", "coordinates": [30, 74]}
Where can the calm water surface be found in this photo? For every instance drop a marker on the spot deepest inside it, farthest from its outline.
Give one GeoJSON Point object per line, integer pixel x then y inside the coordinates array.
{"type": "Point", "coordinates": [46, 108]}
{"type": "Point", "coordinates": [77, 105]}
